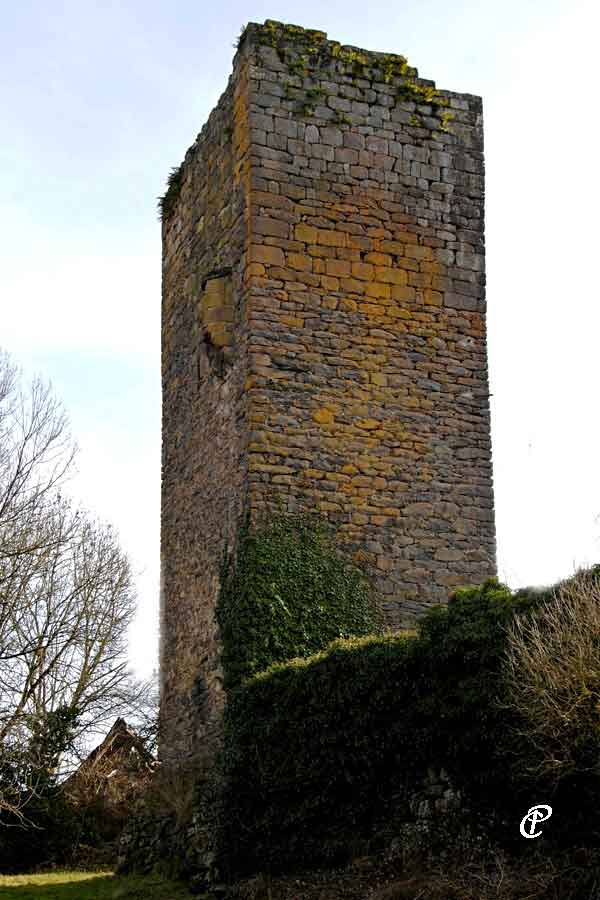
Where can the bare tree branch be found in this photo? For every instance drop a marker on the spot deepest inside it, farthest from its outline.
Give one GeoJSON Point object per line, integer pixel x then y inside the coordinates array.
{"type": "Point", "coordinates": [66, 599]}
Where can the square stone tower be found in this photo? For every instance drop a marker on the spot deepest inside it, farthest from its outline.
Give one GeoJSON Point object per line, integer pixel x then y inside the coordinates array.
{"type": "Point", "coordinates": [323, 338]}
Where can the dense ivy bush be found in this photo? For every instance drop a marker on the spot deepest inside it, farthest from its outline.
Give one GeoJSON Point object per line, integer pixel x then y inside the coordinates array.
{"type": "Point", "coordinates": [319, 750]}
{"type": "Point", "coordinates": [462, 692]}
{"type": "Point", "coordinates": [305, 742]}
{"type": "Point", "coordinates": [291, 592]}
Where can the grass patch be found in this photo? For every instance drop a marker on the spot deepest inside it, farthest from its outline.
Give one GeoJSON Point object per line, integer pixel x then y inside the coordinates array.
{"type": "Point", "coordinates": [89, 886]}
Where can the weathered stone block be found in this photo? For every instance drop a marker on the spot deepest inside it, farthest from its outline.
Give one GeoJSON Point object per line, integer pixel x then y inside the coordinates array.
{"type": "Point", "coordinates": [331, 136]}
{"type": "Point", "coordinates": [273, 227]}
{"type": "Point", "coordinates": [272, 256]}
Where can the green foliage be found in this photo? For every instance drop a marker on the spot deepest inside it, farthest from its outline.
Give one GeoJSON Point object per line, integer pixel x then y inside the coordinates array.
{"type": "Point", "coordinates": [410, 91]}
{"type": "Point", "coordinates": [167, 203]}
{"type": "Point", "coordinates": [393, 66]}
{"type": "Point", "coordinates": [35, 820]}
{"type": "Point", "coordinates": [51, 736]}
{"type": "Point", "coordinates": [298, 66]}
{"type": "Point", "coordinates": [306, 53]}
{"type": "Point", "coordinates": [44, 828]}
{"type": "Point", "coordinates": [461, 686]}
{"type": "Point", "coordinates": [446, 118]}
{"type": "Point", "coordinates": [307, 743]}
{"type": "Point", "coordinates": [291, 592]}
{"type": "Point", "coordinates": [341, 119]}
{"type": "Point", "coordinates": [28, 762]}
{"type": "Point", "coordinates": [319, 750]}
{"type": "Point", "coordinates": [315, 94]}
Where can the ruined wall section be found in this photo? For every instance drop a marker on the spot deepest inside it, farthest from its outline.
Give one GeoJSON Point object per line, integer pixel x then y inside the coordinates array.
{"type": "Point", "coordinates": [204, 368]}
{"type": "Point", "coordinates": [368, 384]}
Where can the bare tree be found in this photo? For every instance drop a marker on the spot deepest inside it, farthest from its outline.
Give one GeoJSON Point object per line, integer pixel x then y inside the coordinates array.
{"type": "Point", "coordinates": [553, 678]}
{"type": "Point", "coordinates": [36, 457]}
{"type": "Point", "coordinates": [66, 597]}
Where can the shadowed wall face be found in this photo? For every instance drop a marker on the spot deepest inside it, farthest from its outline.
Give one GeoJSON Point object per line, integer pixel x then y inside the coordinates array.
{"type": "Point", "coordinates": [205, 432]}
{"type": "Point", "coordinates": [341, 363]}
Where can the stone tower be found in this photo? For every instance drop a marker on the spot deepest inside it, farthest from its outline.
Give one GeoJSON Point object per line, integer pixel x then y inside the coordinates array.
{"type": "Point", "coordinates": [323, 338]}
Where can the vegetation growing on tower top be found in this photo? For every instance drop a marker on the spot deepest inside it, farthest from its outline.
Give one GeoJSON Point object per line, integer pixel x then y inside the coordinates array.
{"type": "Point", "coordinates": [307, 54]}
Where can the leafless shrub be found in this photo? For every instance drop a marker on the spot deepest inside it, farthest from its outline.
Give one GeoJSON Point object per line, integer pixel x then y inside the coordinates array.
{"type": "Point", "coordinates": [553, 677]}
{"type": "Point", "coordinates": [494, 880]}
{"type": "Point", "coordinates": [501, 878]}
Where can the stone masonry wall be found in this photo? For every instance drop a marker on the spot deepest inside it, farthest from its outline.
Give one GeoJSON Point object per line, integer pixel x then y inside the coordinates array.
{"type": "Point", "coordinates": [205, 435]}
{"type": "Point", "coordinates": [339, 362]}
{"type": "Point", "coordinates": [154, 839]}
{"type": "Point", "coordinates": [369, 389]}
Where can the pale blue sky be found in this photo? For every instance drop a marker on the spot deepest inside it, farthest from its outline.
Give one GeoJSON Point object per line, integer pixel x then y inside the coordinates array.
{"type": "Point", "coordinates": [99, 101]}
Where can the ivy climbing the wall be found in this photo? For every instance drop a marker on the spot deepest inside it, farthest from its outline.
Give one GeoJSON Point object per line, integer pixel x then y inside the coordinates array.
{"type": "Point", "coordinates": [291, 593]}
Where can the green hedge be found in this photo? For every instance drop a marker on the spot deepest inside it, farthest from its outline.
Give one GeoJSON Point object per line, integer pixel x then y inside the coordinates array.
{"type": "Point", "coordinates": [291, 592]}
{"type": "Point", "coordinates": [319, 750]}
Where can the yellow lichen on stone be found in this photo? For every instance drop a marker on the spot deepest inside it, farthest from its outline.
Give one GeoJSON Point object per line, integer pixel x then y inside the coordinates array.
{"type": "Point", "coordinates": [323, 416]}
